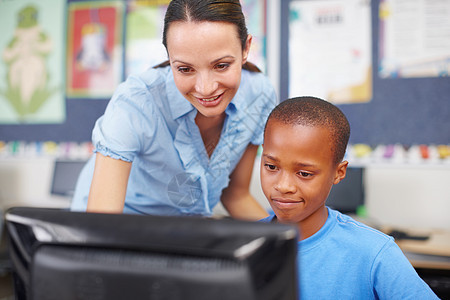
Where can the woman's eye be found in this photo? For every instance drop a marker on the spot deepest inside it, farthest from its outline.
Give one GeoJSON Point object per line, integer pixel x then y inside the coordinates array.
{"type": "Point", "coordinates": [222, 66]}
{"type": "Point", "coordinates": [184, 69]}
{"type": "Point", "coordinates": [270, 167]}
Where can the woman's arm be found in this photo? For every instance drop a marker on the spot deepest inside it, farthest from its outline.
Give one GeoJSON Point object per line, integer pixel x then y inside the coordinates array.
{"type": "Point", "coordinates": [236, 198]}
{"type": "Point", "coordinates": [109, 185]}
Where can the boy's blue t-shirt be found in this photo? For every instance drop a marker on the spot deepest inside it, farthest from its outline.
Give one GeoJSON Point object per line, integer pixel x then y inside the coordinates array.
{"type": "Point", "coordinates": [346, 259]}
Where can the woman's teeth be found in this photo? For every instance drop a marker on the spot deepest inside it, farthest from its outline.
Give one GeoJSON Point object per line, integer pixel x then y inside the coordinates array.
{"type": "Point", "coordinates": [210, 99]}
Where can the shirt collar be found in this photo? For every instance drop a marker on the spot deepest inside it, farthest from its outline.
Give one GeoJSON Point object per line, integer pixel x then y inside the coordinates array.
{"type": "Point", "coordinates": [237, 102]}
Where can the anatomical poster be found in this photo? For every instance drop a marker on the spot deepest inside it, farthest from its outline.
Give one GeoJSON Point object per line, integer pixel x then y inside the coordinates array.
{"type": "Point", "coordinates": [94, 48]}
{"type": "Point", "coordinates": [31, 60]}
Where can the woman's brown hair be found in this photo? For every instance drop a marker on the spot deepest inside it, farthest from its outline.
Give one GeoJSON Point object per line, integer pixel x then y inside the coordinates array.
{"type": "Point", "coordinates": [229, 11]}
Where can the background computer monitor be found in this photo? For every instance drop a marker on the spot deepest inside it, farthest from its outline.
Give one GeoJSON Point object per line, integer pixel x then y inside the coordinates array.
{"type": "Point", "coordinates": [65, 176]}
{"type": "Point", "coordinates": [74, 255]}
{"type": "Point", "coordinates": [348, 195]}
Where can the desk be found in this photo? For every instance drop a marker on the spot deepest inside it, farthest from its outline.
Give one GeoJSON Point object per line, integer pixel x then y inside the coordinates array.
{"type": "Point", "coordinates": [433, 253]}
{"type": "Point", "coordinates": [430, 258]}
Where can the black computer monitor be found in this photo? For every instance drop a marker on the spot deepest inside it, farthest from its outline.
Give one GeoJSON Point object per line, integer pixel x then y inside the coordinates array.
{"type": "Point", "coordinates": [64, 255]}
{"type": "Point", "coordinates": [348, 195]}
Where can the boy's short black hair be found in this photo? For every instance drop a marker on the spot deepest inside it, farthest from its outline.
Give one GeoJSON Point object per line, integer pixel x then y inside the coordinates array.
{"type": "Point", "coordinates": [312, 111]}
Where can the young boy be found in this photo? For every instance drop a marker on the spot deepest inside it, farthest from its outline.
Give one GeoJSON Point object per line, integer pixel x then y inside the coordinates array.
{"type": "Point", "coordinates": [304, 144]}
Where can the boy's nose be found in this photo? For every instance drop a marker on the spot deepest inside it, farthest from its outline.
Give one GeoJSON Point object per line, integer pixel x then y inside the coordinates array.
{"type": "Point", "coordinates": [205, 84]}
{"type": "Point", "coordinates": [286, 184]}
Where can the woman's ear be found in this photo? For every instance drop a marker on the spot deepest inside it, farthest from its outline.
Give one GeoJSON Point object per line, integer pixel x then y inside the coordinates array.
{"type": "Point", "coordinates": [341, 170]}
{"type": "Point", "coordinates": [246, 51]}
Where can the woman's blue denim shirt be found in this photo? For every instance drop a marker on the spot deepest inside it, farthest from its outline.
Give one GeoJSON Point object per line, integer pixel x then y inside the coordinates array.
{"type": "Point", "coordinates": [149, 123]}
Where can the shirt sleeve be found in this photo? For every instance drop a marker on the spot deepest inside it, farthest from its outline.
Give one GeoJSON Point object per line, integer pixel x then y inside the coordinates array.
{"type": "Point", "coordinates": [395, 278]}
{"type": "Point", "coordinates": [127, 119]}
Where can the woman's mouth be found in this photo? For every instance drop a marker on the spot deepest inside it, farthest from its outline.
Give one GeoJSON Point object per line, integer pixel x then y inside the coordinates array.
{"type": "Point", "coordinates": [210, 99]}
{"type": "Point", "coordinates": [209, 102]}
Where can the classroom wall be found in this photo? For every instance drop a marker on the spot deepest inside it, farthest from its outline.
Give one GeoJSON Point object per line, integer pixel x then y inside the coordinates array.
{"type": "Point", "coordinates": [402, 110]}
{"type": "Point", "coordinates": [27, 182]}
{"type": "Point", "coordinates": [408, 196]}
{"type": "Point", "coordinates": [405, 111]}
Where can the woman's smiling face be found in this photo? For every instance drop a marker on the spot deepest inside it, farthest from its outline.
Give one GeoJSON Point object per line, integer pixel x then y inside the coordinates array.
{"type": "Point", "coordinates": [206, 60]}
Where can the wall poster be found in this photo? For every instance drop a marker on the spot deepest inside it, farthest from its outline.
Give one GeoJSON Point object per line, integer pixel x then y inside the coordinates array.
{"type": "Point", "coordinates": [144, 48]}
{"type": "Point", "coordinates": [255, 17]}
{"type": "Point", "coordinates": [94, 48]}
{"type": "Point", "coordinates": [330, 53]}
{"type": "Point", "coordinates": [414, 38]}
{"type": "Point", "coordinates": [145, 21]}
{"type": "Point", "coordinates": [31, 56]}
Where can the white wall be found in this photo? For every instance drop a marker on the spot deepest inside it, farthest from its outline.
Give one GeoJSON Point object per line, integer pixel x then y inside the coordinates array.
{"type": "Point", "coordinates": [27, 182]}
{"type": "Point", "coordinates": [410, 196]}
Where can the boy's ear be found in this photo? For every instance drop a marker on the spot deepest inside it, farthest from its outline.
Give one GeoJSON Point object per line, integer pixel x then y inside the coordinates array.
{"type": "Point", "coordinates": [341, 170]}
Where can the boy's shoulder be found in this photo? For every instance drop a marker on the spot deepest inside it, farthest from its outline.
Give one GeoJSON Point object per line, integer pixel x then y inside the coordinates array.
{"type": "Point", "coordinates": [341, 230]}
{"type": "Point", "coordinates": [352, 232]}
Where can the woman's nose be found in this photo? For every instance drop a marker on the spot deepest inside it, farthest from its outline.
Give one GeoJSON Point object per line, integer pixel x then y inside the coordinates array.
{"type": "Point", "coordinates": [206, 84]}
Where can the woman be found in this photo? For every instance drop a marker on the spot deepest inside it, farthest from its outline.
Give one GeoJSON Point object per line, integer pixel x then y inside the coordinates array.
{"type": "Point", "coordinates": [183, 136]}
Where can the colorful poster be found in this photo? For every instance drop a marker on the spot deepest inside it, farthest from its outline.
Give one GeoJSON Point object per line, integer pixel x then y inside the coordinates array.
{"type": "Point", "coordinates": [255, 15]}
{"type": "Point", "coordinates": [145, 21]}
{"type": "Point", "coordinates": [94, 48]}
{"type": "Point", "coordinates": [414, 38]}
{"type": "Point", "coordinates": [31, 56]}
{"type": "Point", "coordinates": [330, 50]}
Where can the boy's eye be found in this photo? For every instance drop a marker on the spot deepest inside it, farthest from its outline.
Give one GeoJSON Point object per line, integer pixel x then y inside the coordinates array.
{"type": "Point", "coordinates": [305, 174]}
{"type": "Point", "coordinates": [270, 167]}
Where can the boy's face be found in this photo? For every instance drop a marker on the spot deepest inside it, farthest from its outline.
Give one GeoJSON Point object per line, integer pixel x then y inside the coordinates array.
{"type": "Point", "coordinates": [297, 173]}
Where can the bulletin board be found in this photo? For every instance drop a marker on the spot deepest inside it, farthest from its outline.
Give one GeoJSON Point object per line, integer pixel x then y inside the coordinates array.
{"type": "Point", "coordinates": [80, 113]}
{"type": "Point", "coordinates": [402, 110]}
{"type": "Point", "coordinates": [82, 109]}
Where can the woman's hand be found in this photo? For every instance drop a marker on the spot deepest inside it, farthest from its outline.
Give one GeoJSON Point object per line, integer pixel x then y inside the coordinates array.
{"type": "Point", "coordinates": [236, 198]}
{"type": "Point", "coordinates": [109, 185]}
